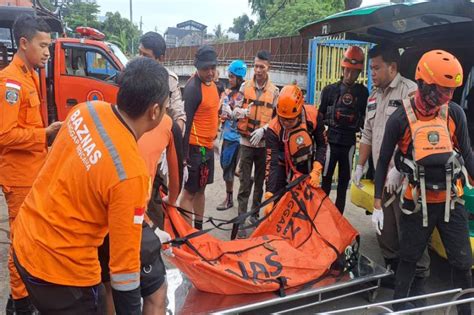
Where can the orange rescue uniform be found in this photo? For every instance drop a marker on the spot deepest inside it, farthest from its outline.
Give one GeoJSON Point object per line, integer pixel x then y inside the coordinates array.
{"type": "Point", "coordinates": [94, 182]}
{"type": "Point", "coordinates": [22, 144]}
{"type": "Point", "coordinates": [152, 144]}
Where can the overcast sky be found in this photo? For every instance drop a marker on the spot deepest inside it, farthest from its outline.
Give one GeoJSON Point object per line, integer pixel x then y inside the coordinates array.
{"type": "Point", "coordinates": [161, 14]}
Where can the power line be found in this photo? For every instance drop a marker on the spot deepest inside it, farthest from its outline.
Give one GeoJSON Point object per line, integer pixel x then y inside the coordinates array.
{"type": "Point", "coordinates": [281, 6]}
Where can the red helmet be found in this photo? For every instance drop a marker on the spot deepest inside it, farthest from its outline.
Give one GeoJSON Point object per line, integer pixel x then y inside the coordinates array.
{"type": "Point", "coordinates": [441, 68]}
{"type": "Point", "coordinates": [353, 58]}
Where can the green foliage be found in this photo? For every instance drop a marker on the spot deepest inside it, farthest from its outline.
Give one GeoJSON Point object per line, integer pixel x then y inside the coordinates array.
{"type": "Point", "coordinates": [242, 25]}
{"type": "Point", "coordinates": [81, 14]}
{"type": "Point", "coordinates": [121, 32]}
{"type": "Point", "coordinates": [285, 17]}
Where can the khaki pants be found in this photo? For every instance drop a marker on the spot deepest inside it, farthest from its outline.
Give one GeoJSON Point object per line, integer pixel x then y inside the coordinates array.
{"type": "Point", "coordinates": [248, 157]}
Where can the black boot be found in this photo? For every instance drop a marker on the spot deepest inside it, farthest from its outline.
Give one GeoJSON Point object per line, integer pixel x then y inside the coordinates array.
{"type": "Point", "coordinates": [403, 282]}
{"type": "Point", "coordinates": [418, 288]}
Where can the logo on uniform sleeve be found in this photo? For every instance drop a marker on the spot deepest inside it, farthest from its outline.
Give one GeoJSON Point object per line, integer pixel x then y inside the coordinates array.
{"type": "Point", "coordinates": [371, 104]}
{"type": "Point", "coordinates": [12, 93]}
{"type": "Point", "coordinates": [11, 96]}
{"type": "Point", "coordinates": [138, 215]}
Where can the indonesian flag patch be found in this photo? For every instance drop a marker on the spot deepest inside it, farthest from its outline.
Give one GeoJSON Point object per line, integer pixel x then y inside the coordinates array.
{"type": "Point", "coordinates": [12, 84]}
{"type": "Point", "coordinates": [138, 215]}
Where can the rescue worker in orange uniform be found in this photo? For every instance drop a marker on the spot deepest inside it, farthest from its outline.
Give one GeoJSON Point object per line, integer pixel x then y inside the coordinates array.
{"type": "Point", "coordinates": [343, 108]}
{"type": "Point", "coordinates": [166, 136]}
{"type": "Point", "coordinates": [94, 182]}
{"type": "Point", "coordinates": [433, 147]}
{"type": "Point", "coordinates": [23, 137]}
{"type": "Point", "coordinates": [254, 114]}
{"type": "Point", "coordinates": [295, 143]}
{"type": "Point", "coordinates": [201, 103]}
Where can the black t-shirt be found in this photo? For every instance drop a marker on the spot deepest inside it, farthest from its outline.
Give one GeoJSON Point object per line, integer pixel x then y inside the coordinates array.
{"type": "Point", "coordinates": [356, 97]}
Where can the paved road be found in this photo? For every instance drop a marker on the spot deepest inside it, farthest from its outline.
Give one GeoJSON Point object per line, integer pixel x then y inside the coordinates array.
{"type": "Point", "coordinates": [438, 281]}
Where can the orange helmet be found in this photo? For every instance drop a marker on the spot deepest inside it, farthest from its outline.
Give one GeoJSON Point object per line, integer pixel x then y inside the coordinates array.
{"type": "Point", "coordinates": [290, 102]}
{"type": "Point", "coordinates": [353, 58]}
{"type": "Point", "coordinates": [441, 68]}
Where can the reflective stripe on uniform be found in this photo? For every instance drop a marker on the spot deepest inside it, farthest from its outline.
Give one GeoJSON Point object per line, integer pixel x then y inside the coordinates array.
{"type": "Point", "coordinates": [108, 142]}
{"type": "Point", "coordinates": [125, 281]}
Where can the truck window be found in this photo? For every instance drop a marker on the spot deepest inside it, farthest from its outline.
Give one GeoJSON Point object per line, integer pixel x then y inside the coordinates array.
{"type": "Point", "coordinates": [88, 63]}
{"type": "Point", "coordinates": [5, 44]}
{"type": "Point", "coordinates": [98, 66]}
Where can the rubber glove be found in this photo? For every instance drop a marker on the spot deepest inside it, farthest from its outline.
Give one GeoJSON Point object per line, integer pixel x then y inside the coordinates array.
{"type": "Point", "coordinates": [268, 208]}
{"type": "Point", "coordinates": [164, 237]}
{"type": "Point", "coordinates": [394, 180]}
{"type": "Point", "coordinates": [359, 172]}
{"type": "Point", "coordinates": [164, 164]}
{"type": "Point", "coordinates": [185, 174]}
{"type": "Point", "coordinates": [377, 220]}
{"type": "Point", "coordinates": [315, 175]}
{"type": "Point", "coordinates": [240, 113]}
{"type": "Point", "coordinates": [256, 136]}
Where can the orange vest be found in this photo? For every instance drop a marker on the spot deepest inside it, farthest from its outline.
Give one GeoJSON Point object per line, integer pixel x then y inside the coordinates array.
{"type": "Point", "coordinates": [261, 108]}
{"type": "Point", "coordinates": [94, 182]}
{"type": "Point", "coordinates": [298, 142]}
{"type": "Point", "coordinates": [22, 134]}
{"type": "Point", "coordinates": [432, 146]}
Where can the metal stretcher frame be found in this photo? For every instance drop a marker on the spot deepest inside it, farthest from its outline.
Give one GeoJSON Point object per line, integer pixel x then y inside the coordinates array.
{"type": "Point", "coordinates": [184, 298]}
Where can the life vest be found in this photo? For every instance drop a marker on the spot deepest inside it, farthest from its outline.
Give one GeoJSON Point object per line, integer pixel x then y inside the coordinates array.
{"type": "Point", "coordinates": [298, 144]}
{"type": "Point", "coordinates": [429, 163]}
{"type": "Point", "coordinates": [261, 108]}
{"type": "Point", "coordinates": [343, 112]}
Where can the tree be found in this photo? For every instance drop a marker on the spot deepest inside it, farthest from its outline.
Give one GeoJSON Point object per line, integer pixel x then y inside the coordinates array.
{"type": "Point", "coordinates": [220, 35]}
{"type": "Point", "coordinates": [81, 14]}
{"type": "Point", "coordinates": [242, 25]}
{"type": "Point", "coordinates": [260, 7]}
{"type": "Point", "coordinates": [352, 4]}
{"type": "Point", "coordinates": [285, 17]}
{"type": "Point", "coordinates": [120, 31]}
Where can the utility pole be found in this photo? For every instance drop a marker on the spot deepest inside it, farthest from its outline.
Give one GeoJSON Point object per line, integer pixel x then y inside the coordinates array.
{"type": "Point", "coordinates": [131, 21]}
{"type": "Point", "coordinates": [141, 24]}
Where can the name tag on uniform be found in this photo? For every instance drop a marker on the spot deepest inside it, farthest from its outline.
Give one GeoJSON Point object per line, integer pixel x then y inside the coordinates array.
{"type": "Point", "coordinates": [371, 104]}
{"type": "Point", "coordinates": [394, 103]}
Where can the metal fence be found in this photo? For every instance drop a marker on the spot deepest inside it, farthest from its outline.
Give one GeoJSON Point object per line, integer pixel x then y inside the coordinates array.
{"type": "Point", "coordinates": [290, 52]}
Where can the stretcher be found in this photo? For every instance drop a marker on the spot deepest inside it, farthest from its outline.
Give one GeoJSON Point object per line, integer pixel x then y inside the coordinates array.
{"type": "Point", "coordinates": [364, 278]}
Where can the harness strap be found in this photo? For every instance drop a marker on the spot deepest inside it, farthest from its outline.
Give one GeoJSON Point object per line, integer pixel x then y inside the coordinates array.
{"type": "Point", "coordinates": [424, 206]}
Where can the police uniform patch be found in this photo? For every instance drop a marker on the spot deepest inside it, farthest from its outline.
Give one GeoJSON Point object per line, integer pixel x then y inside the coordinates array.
{"type": "Point", "coordinates": [11, 96]}
{"type": "Point", "coordinates": [394, 103]}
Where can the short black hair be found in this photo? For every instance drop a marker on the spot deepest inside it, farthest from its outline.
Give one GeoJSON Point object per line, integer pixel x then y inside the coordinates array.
{"type": "Point", "coordinates": [389, 54]}
{"type": "Point", "coordinates": [27, 26]}
{"type": "Point", "coordinates": [155, 42]}
{"type": "Point", "coordinates": [264, 55]}
{"type": "Point", "coordinates": [143, 83]}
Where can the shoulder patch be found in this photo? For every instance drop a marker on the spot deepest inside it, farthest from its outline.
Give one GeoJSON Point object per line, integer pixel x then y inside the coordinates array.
{"type": "Point", "coordinates": [11, 96]}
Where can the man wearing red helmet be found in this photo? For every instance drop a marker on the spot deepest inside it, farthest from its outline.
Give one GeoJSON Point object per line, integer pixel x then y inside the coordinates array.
{"type": "Point", "coordinates": [343, 108]}
{"type": "Point", "coordinates": [433, 146]}
{"type": "Point", "coordinates": [291, 137]}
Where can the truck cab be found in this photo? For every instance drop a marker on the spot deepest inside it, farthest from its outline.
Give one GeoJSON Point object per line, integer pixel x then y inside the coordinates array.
{"type": "Point", "coordinates": [80, 69]}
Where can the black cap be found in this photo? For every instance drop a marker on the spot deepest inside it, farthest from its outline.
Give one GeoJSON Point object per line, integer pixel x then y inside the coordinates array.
{"type": "Point", "coordinates": [205, 56]}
